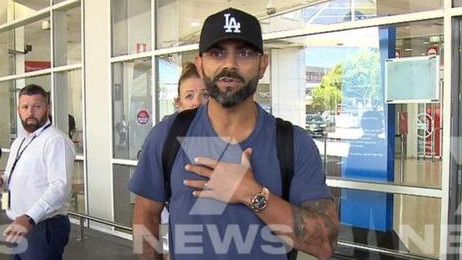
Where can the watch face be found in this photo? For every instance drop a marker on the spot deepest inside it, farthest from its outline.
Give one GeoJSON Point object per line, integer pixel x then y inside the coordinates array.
{"type": "Point", "coordinates": [259, 202]}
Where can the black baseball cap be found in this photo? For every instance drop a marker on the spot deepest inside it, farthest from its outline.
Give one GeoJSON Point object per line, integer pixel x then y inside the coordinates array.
{"type": "Point", "coordinates": [231, 24]}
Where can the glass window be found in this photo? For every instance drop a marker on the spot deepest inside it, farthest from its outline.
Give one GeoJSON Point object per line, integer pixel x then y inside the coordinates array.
{"type": "Point", "coordinates": [7, 54]}
{"type": "Point", "coordinates": [455, 164]}
{"type": "Point", "coordinates": [132, 106]}
{"type": "Point", "coordinates": [78, 188]}
{"type": "Point", "coordinates": [174, 28]}
{"type": "Point", "coordinates": [58, 1]}
{"type": "Point", "coordinates": [43, 80]}
{"type": "Point", "coordinates": [8, 114]}
{"type": "Point", "coordinates": [23, 8]}
{"type": "Point", "coordinates": [3, 159]}
{"type": "Point", "coordinates": [169, 70]}
{"type": "Point", "coordinates": [36, 37]}
{"type": "Point", "coordinates": [390, 221]}
{"type": "Point", "coordinates": [67, 36]}
{"type": "Point", "coordinates": [123, 199]}
{"type": "Point", "coordinates": [3, 16]}
{"type": "Point", "coordinates": [419, 144]}
{"type": "Point", "coordinates": [345, 111]}
{"type": "Point", "coordinates": [281, 16]}
{"type": "Point", "coordinates": [131, 26]}
{"type": "Point", "coordinates": [26, 48]}
{"type": "Point", "coordinates": [68, 107]}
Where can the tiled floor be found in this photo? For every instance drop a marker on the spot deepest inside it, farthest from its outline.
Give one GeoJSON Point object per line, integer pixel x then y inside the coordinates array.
{"type": "Point", "coordinates": [96, 245]}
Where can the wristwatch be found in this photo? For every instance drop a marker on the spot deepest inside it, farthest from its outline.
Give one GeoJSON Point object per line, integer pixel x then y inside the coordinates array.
{"type": "Point", "coordinates": [260, 200]}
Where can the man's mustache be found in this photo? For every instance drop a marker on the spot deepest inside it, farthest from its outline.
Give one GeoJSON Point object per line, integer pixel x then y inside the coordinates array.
{"type": "Point", "coordinates": [31, 118]}
{"type": "Point", "coordinates": [228, 74]}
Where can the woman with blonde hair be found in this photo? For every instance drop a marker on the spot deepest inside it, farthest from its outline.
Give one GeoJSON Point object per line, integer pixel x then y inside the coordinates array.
{"type": "Point", "coordinates": [191, 89]}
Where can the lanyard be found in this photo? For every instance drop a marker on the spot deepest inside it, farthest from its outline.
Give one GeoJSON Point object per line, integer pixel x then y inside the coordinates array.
{"type": "Point", "coordinates": [19, 154]}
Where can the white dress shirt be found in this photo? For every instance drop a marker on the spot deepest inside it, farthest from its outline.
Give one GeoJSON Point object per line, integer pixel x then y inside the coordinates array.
{"type": "Point", "coordinates": [40, 183]}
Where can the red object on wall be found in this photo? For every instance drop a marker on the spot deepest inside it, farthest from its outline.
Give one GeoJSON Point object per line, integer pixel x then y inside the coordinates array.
{"type": "Point", "coordinates": [36, 65]}
{"type": "Point", "coordinates": [141, 47]}
{"type": "Point", "coordinates": [434, 111]}
{"type": "Point", "coordinates": [142, 116]}
{"type": "Point", "coordinates": [402, 123]}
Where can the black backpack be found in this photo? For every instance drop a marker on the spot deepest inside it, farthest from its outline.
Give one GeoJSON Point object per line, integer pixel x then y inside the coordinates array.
{"type": "Point", "coordinates": [285, 151]}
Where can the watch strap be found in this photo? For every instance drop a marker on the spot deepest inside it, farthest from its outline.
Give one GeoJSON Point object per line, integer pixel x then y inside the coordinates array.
{"type": "Point", "coordinates": [31, 220]}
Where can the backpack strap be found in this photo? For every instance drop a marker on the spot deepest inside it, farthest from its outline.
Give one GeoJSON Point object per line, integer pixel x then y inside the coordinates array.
{"type": "Point", "coordinates": [179, 128]}
{"type": "Point", "coordinates": [285, 150]}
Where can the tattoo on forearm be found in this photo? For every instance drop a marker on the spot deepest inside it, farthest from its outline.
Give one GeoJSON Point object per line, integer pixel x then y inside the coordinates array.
{"type": "Point", "coordinates": [299, 227]}
{"type": "Point", "coordinates": [319, 214]}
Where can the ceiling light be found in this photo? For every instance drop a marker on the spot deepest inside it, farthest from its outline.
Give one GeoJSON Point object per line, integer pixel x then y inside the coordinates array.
{"type": "Point", "coordinates": [194, 24]}
{"type": "Point", "coordinates": [46, 25]}
{"type": "Point", "coordinates": [434, 39]}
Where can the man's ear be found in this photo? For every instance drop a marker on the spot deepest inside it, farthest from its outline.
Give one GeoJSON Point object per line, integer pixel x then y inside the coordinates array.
{"type": "Point", "coordinates": [264, 60]}
{"type": "Point", "coordinates": [198, 62]}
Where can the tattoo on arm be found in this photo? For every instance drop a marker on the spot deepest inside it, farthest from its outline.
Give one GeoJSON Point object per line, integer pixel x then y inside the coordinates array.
{"type": "Point", "coordinates": [314, 218]}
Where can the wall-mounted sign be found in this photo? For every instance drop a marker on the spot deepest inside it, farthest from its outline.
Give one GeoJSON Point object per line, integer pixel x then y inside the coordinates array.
{"type": "Point", "coordinates": [30, 65]}
{"type": "Point", "coordinates": [424, 125]}
{"type": "Point", "coordinates": [142, 116]}
{"type": "Point", "coordinates": [412, 80]}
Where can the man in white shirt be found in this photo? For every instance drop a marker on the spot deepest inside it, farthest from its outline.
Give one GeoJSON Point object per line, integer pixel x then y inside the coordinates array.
{"type": "Point", "coordinates": [37, 182]}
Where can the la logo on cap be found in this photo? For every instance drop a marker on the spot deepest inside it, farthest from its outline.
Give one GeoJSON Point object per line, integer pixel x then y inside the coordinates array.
{"type": "Point", "coordinates": [231, 25]}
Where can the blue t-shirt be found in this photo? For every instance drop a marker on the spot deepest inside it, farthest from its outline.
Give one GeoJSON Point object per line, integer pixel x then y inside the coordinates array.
{"type": "Point", "coordinates": [208, 229]}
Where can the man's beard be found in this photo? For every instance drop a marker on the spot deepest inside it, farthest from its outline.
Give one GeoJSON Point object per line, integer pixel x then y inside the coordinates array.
{"type": "Point", "coordinates": [227, 98]}
{"type": "Point", "coordinates": [31, 124]}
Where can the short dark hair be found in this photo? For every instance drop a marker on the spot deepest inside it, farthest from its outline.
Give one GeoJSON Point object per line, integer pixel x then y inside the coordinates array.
{"type": "Point", "coordinates": [33, 89]}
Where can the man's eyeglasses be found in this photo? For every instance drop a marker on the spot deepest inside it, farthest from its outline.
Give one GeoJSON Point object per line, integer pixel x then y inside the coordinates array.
{"type": "Point", "coordinates": [245, 54]}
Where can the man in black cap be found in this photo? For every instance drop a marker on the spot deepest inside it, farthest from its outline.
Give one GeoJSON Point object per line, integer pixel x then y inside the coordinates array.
{"type": "Point", "coordinates": [225, 182]}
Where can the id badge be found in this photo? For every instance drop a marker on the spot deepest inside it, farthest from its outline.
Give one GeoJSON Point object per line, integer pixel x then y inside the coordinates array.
{"type": "Point", "coordinates": [5, 200]}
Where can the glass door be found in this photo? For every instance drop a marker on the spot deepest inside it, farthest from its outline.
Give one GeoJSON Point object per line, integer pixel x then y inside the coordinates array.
{"type": "Point", "coordinates": [455, 192]}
